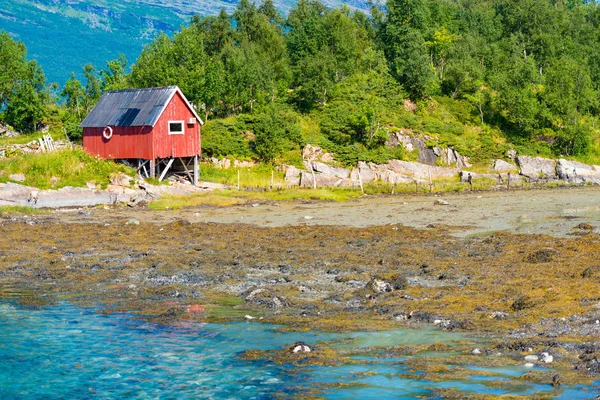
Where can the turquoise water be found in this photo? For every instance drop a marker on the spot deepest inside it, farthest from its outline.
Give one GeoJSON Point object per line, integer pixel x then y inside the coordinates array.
{"type": "Point", "coordinates": [65, 351]}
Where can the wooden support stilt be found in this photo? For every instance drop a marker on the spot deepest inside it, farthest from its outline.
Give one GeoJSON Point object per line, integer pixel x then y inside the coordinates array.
{"type": "Point", "coordinates": [145, 170]}
{"type": "Point", "coordinates": [152, 168]}
{"type": "Point", "coordinates": [162, 176]}
{"type": "Point", "coordinates": [196, 171]}
{"type": "Point", "coordinates": [186, 170]}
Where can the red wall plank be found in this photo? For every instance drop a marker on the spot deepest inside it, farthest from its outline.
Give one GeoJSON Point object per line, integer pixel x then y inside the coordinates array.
{"type": "Point", "coordinates": [185, 145]}
{"type": "Point", "coordinates": [126, 142]}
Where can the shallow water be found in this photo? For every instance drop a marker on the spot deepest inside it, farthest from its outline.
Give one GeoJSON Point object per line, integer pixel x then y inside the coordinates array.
{"type": "Point", "coordinates": [66, 351]}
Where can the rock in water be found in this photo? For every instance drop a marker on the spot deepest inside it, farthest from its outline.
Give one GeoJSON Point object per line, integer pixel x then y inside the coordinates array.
{"type": "Point", "coordinates": [476, 352]}
{"type": "Point", "coordinates": [300, 347]}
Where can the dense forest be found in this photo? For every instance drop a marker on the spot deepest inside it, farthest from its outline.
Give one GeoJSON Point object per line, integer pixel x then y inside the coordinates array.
{"type": "Point", "coordinates": [478, 75]}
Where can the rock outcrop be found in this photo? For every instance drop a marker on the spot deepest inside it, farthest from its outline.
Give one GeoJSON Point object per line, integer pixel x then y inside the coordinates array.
{"type": "Point", "coordinates": [430, 156]}
{"type": "Point", "coordinates": [226, 163]}
{"type": "Point", "coordinates": [576, 172]}
{"type": "Point", "coordinates": [536, 168]}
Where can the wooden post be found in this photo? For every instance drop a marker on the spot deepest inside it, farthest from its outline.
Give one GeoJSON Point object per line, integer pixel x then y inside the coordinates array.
{"type": "Point", "coordinates": [393, 186]}
{"type": "Point", "coordinates": [416, 186]}
{"type": "Point", "coordinates": [238, 185]}
{"type": "Point", "coordinates": [313, 176]}
{"type": "Point", "coordinates": [42, 146]}
{"type": "Point", "coordinates": [152, 169]}
{"type": "Point", "coordinates": [508, 182]}
{"type": "Point", "coordinates": [67, 136]}
{"type": "Point", "coordinates": [272, 179]}
{"type": "Point", "coordinates": [360, 182]}
{"type": "Point", "coordinates": [430, 183]}
{"type": "Point", "coordinates": [196, 171]}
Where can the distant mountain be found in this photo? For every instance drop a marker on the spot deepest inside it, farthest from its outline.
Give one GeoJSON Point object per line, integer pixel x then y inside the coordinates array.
{"type": "Point", "coordinates": [63, 35]}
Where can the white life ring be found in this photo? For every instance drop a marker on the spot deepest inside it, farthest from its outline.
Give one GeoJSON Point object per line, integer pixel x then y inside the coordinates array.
{"type": "Point", "coordinates": [107, 133]}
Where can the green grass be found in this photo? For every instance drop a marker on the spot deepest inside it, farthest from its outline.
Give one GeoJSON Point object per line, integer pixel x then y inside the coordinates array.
{"type": "Point", "coordinates": [10, 210]}
{"type": "Point", "coordinates": [235, 197]}
{"type": "Point", "coordinates": [72, 167]}
{"type": "Point", "coordinates": [437, 186]}
{"type": "Point", "coordinates": [26, 138]}
{"type": "Point", "coordinates": [257, 177]}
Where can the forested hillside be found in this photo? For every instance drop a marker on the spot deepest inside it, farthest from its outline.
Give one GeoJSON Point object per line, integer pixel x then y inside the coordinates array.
{"type": "Point", "coordinates": [482, 76]}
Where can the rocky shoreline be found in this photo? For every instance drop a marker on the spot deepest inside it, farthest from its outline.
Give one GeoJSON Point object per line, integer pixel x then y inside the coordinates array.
{"type": "Point", "coordinates": [529, 295]}
{"type": "Point", "coordinates": [122, 190]}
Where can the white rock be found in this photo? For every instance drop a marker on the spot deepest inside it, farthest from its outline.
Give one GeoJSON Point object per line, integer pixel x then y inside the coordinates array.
{"type": "Point", "coordinates": [476, 351]}
{"type": "Point", "coordinates": [308, 217]}
{"type": "Point", "coordinates": [301, 348]}
{"type": "Point", "coordinates": [441, 202]}
{"type": "Point", "coordinates": [547, 358]}
{"type": "Point", "coordinates": [531, 357]}
{"type": "Point", "coordinates": [528, 365]}
{"type": "Point", "coordinates": [249, 317]}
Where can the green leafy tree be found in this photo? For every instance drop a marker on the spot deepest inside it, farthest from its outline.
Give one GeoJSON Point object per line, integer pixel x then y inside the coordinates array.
{"type": "Point", "coordinates": [74, 95]}
{"type": "Point", "coordinates": [26, 105]}
{"type": "Point", "coordinates": [113, 76]}
{"type": "Point", "coordinates": [401, 36]}
{"type": "Point", "coordinates": [276, 131]}
{"type": "Point", "coordinates": [13, 66]}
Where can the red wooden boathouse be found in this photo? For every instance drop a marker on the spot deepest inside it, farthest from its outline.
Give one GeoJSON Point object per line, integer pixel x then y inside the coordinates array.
{"type": "Point", "coordinates": [153, 127]}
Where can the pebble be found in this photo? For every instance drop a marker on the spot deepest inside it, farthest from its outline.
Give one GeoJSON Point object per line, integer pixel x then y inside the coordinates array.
{"type": "Point", "coordinates": [528, 365]}
{"type": "Point", "coordinates": [532, 357]}
{"type": "Point", "coordinates": [249, 317]}
{"type": "Point", "coordinates": [440, 202]}
{"type": "Point", "coordinates": [308, 217]}
{"type": "Point", "coordinates": [476, 351]}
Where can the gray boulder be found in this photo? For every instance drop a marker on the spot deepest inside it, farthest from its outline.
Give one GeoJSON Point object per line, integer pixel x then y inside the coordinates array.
{"type": "Point", "coordinates": [576, 172]}
{"type": "Point", "coordinates": [306, 180]}
{"type": "Point", "coordinates": [536, 167]}
{"type": "Point", "coordinates": [503, 166]}
{"type": "Point", "coordinates": [328, 170]}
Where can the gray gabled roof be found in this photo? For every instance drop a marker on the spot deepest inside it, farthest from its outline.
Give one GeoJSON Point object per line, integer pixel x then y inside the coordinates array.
{"type": "Point", "coordinates": [132, 107]}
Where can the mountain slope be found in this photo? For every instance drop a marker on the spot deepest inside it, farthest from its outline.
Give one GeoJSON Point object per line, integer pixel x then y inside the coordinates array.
{"type": "Point", "coordinates": [63, 35]}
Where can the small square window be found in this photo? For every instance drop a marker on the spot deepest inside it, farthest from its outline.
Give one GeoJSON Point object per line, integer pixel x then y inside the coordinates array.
{"type": "Point", "coordinates": [176, 128]}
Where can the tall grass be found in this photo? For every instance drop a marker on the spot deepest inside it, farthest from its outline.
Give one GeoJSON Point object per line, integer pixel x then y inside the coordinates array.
{"type": "Point", "coordinates": [73, 167]}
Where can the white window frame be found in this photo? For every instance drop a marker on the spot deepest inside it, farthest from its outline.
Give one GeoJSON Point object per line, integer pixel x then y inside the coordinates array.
{"type": "Point", "coordinates": [176, 132]}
